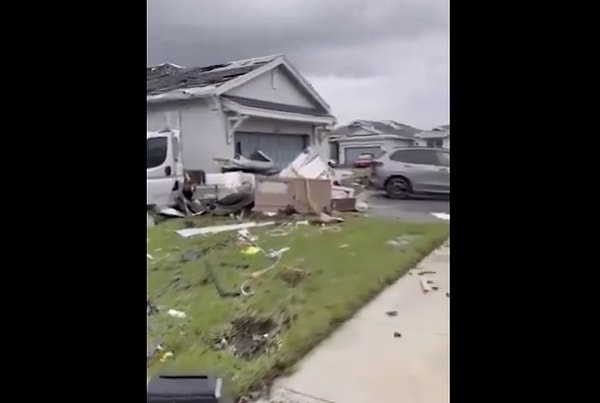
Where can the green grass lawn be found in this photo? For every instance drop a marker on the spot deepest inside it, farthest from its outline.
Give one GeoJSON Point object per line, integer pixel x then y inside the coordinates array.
{"type": "Point", "coordinates": [336, 272]}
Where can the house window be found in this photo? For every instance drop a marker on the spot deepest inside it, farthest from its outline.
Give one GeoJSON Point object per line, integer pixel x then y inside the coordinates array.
{"type": "Point", "coordinates": [435, 143]}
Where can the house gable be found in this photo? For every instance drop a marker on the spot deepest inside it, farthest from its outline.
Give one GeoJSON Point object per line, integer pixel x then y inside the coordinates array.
{"type": "Point", "coordinates": [276, 85]}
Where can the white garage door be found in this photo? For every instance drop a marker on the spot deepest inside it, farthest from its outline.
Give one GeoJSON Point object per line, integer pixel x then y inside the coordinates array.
{"type": "Point", "coordinates": [281, 148]}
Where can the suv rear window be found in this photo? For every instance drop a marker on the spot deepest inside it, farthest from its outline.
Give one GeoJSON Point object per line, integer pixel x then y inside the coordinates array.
{"type": "Point", "coordinates": [422, 157]}
{"type": "Point", "coordinates": [156, 151]}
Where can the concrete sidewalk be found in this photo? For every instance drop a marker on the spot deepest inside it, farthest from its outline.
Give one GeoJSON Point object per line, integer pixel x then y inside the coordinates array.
{"type": "Point", "coordinates": [363, 361]}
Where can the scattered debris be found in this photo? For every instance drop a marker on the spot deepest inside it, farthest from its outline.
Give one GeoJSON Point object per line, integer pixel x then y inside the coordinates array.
{"type": "Point", "coordinates": [424, 286]}
{"type": "Point", "coordinates": [166, 356]}
{"type": "Point", "coordinates": [435, 288]}
{"type": "Point", "coordinates": [283, 230]}
{"type": "Point", "coordinates": [344, 246]}
{"type": "Point", "coordinates": [149, 256]}
{"type": "Point", "coordinates": [392, 313]}
{"type": "Point", "coordinates": [251, 336]}
{"type": "Point", "coordinates": [189, 232]}
{"type": "Point", "coordinates": [258, 162]}
{"type": "Point", "coordinates": [151, 309]}
{"type": "Point", "coordinates": [448, 294]}
{"type": "Point", "coordinates": [397, 335]}
{"type": "Point", "coordinates": [251, 250]}
{"type": "Point", "coordinates": [423, 272]}
{"type": "Point", "coordinates": [344, 205]}
{"type": "Point", "coordinates": [308, 165]}
{"type": "Point", "coordinates": [176, 314]}
{"type": "Point", "coordinates": [292, 276]}
{"type": "Point", "coordinates": [171, 212]}
{"type": "Point", "coordinates": [276, 253]}
{"type": "Point", "coordinates": [301, 195]}
{"type": "Point", "coordinates": [190, 255]}
{"type": "Point", "coordinates": [442, 216]}
{"type": "Point", "coordinates": [235, 203]}
{"type": "Point", "coordinates": [245, 236]}
{"type": "Point", "coordinates": [151, 352]}
{"type": "Point", "coordinates": [361, 206]}
{"type": "Point", "coordinates": [325, 218]}
{"type": "Point", "coordinates": [401, 241]}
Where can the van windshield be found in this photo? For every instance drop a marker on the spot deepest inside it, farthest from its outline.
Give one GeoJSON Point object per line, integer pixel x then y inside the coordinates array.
{"type": "Point", "coordinates": [156, 151]}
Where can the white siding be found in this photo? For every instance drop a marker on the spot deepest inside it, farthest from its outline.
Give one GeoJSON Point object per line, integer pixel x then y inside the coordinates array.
{"type": "Point", "coordinates": [162, 118]}
{"type": "Point", "coordinates": [202, 131]}
{"type": "Point", "coordinates": [274, 86]}
{"type": "Point", "coordinates": [445, 144]}
{"type": "Point", "coordinates": [203, 136]}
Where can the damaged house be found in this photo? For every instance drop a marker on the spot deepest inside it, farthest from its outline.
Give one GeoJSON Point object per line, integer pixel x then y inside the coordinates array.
{"type": "Point", "coordinates": [238, 107]}
{"type": "Point", "coordinates": [368, 136]}
{"type": "Point", "coordinates": [438, 137]}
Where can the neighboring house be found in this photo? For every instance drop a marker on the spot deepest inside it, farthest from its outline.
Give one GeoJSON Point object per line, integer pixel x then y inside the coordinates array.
{"type": "Point", "coordinates": [368, 136]}
{"type": "Point", "coordinates": [438, 137]}
{"type": "Point", "coordinates": [238, 107]}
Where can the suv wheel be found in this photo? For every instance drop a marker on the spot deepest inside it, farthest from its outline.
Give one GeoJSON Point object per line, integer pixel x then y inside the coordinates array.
{"type": "Point", "coordinates": [397, 188]}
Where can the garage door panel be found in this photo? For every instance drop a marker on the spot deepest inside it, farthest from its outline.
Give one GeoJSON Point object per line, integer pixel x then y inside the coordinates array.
{"type": "Point", "coordinates": [281, 148]}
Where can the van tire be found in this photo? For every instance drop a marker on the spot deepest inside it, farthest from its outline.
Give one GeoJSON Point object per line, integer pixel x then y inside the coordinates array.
{"type": "Point", "coordinates": [398, 187]}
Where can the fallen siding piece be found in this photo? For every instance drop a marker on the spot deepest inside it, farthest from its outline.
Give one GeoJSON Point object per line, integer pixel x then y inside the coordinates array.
{"type": "Point", "coordinates": [441, 216]}
{"type": "Point", "coordinates": [189, 232]}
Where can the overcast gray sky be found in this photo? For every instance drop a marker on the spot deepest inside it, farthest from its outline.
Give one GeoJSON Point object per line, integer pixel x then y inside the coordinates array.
{"type": "Point", "coordinates": [369, 59]}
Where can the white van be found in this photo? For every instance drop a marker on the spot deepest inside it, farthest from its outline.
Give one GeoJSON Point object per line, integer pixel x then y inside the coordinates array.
{"type": "Point", "coordinates": [164, 168]}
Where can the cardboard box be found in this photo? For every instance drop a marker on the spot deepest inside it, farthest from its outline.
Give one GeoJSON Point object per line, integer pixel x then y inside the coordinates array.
{"type": "Point", "coordinates": [275, 194]}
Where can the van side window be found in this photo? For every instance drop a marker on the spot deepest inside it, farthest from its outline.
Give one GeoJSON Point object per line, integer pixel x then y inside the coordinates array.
{"type": "Point", "coordinates": [156, 151]}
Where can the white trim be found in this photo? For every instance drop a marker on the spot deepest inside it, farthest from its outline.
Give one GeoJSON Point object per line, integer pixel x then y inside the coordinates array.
{"type": "Point", "coordinates": [181, 95]}
{"type": "Point", "coordinates": [278, 61]}
{"type": "Point", "coordinates": [270, 114]}
{"type": "Point", "coordinates": [233, 122]}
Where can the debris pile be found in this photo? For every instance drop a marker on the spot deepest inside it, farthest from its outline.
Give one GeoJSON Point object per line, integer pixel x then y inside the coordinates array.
{"type": "Point", "coordinates": [250, 336]}
{"type": "Point", "coordinates": [306, 186]}
{"type": "Point", "coordinates": [292, 275]}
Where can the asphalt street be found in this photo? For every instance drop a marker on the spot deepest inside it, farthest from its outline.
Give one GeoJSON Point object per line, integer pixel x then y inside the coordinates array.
{"type": "Point", "coordinates": [414, 209]}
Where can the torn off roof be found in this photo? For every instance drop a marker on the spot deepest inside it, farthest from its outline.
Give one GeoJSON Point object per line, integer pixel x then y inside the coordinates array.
{"type": "Point", "coordinates": [168, 77]}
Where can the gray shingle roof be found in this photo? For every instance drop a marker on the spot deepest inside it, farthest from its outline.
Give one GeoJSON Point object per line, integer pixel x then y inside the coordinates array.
{"type": "Point", "coordinates": [378, 127]}
{"type": "Point", "coordinates": [168, 77]}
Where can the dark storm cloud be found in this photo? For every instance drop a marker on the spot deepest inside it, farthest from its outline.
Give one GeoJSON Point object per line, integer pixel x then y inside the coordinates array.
{"type": "Point", "coordinates": [196, 32]}
{"type": "Point", "coordinates": [375, 59]}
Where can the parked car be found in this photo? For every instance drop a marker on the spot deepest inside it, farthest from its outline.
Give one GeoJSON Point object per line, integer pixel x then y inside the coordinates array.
{"type": "Point", "coordinates": [402, 172]}
{"type": "Point", "coordinates": [363, 161]}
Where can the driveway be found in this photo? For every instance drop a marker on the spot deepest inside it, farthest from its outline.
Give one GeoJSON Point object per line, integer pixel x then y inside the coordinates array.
{"type": "Point", "coordinates": [365, 361]}
{"type": "Point", "coordinates": [414, 209]}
